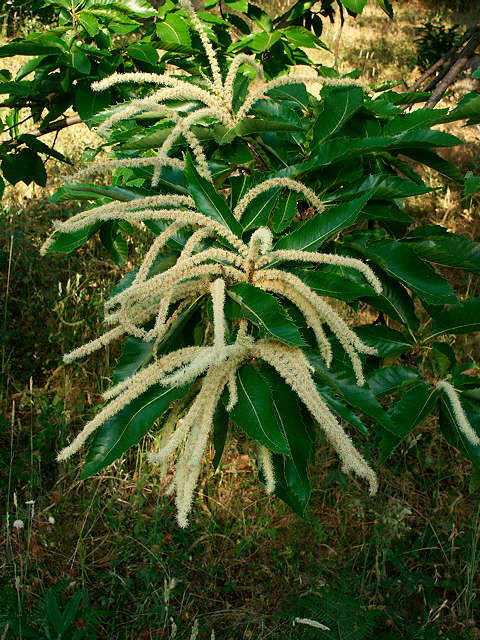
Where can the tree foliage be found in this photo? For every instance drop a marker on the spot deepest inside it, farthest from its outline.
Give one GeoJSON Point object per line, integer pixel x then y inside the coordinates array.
{"type": "Point", "coordinates": [355, 154]}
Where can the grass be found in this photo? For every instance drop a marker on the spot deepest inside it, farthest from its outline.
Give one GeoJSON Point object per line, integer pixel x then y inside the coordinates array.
{"type": "Point", "coordinates": [106, 555]}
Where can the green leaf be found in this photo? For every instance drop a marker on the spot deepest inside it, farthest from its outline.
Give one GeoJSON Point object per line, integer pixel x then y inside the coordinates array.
{"type": "Point", "coordinates": [140, 8]}
{"type": "Point", "coordinates": [292, 483]}
{"type": "Point", "coordinates": [259, 209]}
{"type": "Point", "coordinates": [35, 144]}
{"type": "Point", "coordinates": [387, 380]}
{"type": "Point", "coordinates": [263, 41]}
{"type": "Point", "coordinates": [472, 185]}
{"type": "Point", "coordinates": [89, 22]}
{"type": "Point", "coordinates": [114, 242]}
{"type": "Point", "coordinates": [220, 431]}
{"type": "Point", "coordinates": [360, 398]}
{"type": "Point", "coordinates": [295, 92]}
{"type": "Point", "coordinates": [344, 412]}
{"type": "Point", "coordinates": [386, 6]}
{"type": "Point", "coordinates": [356, 6]}
{"type": "Point", "coordinates": [468, 107]}
{"type": "Point", "coordinates": [264, 310]}
{"type": "Point", "coordinates": [309, 235]}
{"type": "Point", "coordinates": [68, 242]}
{"type": "Point", "coordinates": [301, 37]}
{"type": "Point", "coordinates": [88, 102]}
{"type": "Point", "coordinates": [395, 302]}
{"type": "Point", "coordinates": [79, 191]}
{"type": "Point", "coordinates": [433, 160]}
{"type": "Point", "coordinates": [174, 29]}
{"type": "Point", "coordinates": [80, 62]}
{"type": "Point", "coordinates": [415, 404]}
{"type": "Point", "coordinates": [254, 412]}
{"type": "Point", "coordinates": [436, 244]}
{"type": "Point", "coordinates": [336, 108]}
{"type": "Point", "coordinates": [207, 200]}
{"type": "Point", "coordinates": [453, 431]}
{"type": "Point", "coordinates": [24, 165]}
{"type": "Point", "coordinates": [255, 126]}
{"type": "Point", "coordinates": [402, 263]}
{"type": "Point", "coordinates": [135, 351]}
{"type": "Point", "coordinates": [386, 341]}
{"type": "Point", "coordinates": [54, 614]}
{"type": "Point", "coordinates": [143, 52]}
{"type": "Point", "coordinates": [27, 48]}
{"type": "Point", "coordinates": [332, 281]}
{"type": "Point", "coordinates": [413, 120]}
{"type": "Point", "coordinates": [285, 210]}
{"type": "Point", "coordinates": [128, 426]}
{"type": "Point", "coordinates": [458, 319]}
{"type": "Point", "coordinates": [383, 187]}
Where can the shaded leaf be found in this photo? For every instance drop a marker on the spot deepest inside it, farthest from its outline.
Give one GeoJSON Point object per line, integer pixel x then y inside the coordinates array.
{"type": "Point", "coordinates": [264, 310]}
{"type": "Point", "coordinates": [254, 412]}
{"type": "Point", "coordinates": [128, 426]}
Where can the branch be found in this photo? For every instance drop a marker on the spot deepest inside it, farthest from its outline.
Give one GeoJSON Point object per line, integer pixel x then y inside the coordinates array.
{"type": "Point", "coordinates": [67, 121]}
{"type": "Point", "coordinates": [429, 72]}
{"type": "Point", "coordinates": [457, 67]}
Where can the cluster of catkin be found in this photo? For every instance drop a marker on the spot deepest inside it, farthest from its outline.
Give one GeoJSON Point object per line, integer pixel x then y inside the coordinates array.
{"type": "Point", "coordinates": [212, 260]}
{"type": "Point", "coordinates": [203, 270]}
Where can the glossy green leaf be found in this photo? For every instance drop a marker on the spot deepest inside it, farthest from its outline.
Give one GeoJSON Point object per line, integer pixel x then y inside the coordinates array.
{"type": "Point", "coordinates": [174, 29]}
{"type": "Point", "coordinates": [254, 411]}
{"type": "Point", "coordinates": [264, 310]}
{"type": "Point", "coordinates": [78, 191]}
{"type": "Point", "coordinates": [207, 200]}
{"type": "Point", "coordinates": [140, 8]}
{"type": "Point", "coordinates": [360, 398]}
{"type": "Point", "coordinates": [395, 302]}
{"type": "Point", "coordinates": [114, 242]}
{"type": "Point", "coordinates": [35, 144]}
{"type": "Point", "coordinates": [338, 106]}
{"type": "Point", "coordinates": [309, 235]}
{"type": "Point", "coordinates": [255, 126]}
{"type": "Point", "coordinates": [135, 351]}
{"type": "Point", "coordinates": [128, 426]}
{"type": "Point", "coordinates": [414, 405]}
{"type": "Point", "coordinates": [332, 281]}
{"type": "Point", "coordinates": [68, 242]}
{"type": "Point", "coordinates": [402, 263]}
{"type": "Point", "coordinates": [143, 52]}
{"type": "Point", "coordinates": [302, 37]}
{"type": "Point", "coordinates": [386, 341]}
{"type": "Point", "coordinates": [356, 6]}
{"type": "Point", "coordinates": [453, 431]}
{"type": "Point", "coordinates": [292, 483]}
{"type": "Point", "coordinates": [258, 212]}
{"type": "Point", "coordinates": [472, 185]}
{"type": "Point", "coordinates": [27, 48]}
{"type": "Point", "coordinates": [264, 41]}
{"type": "Point", "coordinates": [88, 102]}
{"type": "Point", "coordinates": [383, 187]}
{"type": "Point", "coordinates": [458, 319]}
{"type": "Point", "coordinates": [285, 210]}
{"type": "Point", "coordinates": [387, 380]}
{"type": "Point", "coordinates": [433, 160]}
{"type": "Point", "coordinates": [220, 431]}
{"type": "Point", "coordinates": [343, 411]}
{"type": "Point", "coordinates": [436, 244]}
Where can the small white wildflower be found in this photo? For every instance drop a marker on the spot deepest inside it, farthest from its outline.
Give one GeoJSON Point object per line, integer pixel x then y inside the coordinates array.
{"type": "Point", "coordinates": [51, 520]}
{"type": "Point", "coordinates": [311, 623]}
{"type": "Point", "coordinates": [18, 524]}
